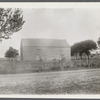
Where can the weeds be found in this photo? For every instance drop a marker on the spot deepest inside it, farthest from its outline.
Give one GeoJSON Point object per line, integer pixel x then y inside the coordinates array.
{"type": "Point", "coordinates": [6, 67]}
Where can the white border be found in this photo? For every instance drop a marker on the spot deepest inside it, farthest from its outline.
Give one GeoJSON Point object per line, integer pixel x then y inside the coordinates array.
{"type": "Point", "coordinates": [51, 5]}
{"type": "Point", "coordinates": [52, 96]}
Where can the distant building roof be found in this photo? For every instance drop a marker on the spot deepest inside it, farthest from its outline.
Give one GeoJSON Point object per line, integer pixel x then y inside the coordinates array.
{"type": "Point", "coordinates": [45, 42]}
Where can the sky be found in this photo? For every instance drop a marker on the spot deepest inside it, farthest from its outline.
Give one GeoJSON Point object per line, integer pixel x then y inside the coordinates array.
{"type": "Point", "coordinates": [72, 24]}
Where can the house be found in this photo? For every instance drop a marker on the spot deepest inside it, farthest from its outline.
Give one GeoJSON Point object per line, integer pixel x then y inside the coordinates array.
{"type": "Point", "coordinates": [45, 49]}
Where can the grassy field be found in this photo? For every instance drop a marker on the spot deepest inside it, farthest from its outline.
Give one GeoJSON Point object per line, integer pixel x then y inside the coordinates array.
{"type": "Point", "coordinates": [75, 77]}
{"type": "Point", "coordinates": [61, 82]}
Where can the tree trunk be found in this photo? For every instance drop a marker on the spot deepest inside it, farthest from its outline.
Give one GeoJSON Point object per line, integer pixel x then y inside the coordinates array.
{"type": "Point", "coordinates": [81, 57]}
{"type": "Point", "coordinates": [14, 65]}
{"type": "Point", "coordinates": [76, 56]}
{"type": "Point", "coordinates": [88, 60]}
{"type": "Point", "coordinates": [88, 57]}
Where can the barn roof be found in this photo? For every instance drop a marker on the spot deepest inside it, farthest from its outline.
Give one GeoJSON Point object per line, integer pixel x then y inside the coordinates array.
{"type": "Point", "coordinates": [45, 42]}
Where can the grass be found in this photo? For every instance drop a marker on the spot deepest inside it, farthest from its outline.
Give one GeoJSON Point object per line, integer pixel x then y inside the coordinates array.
{"type": "Point", "coordinates": [62, 82]}
{"type": "Point", "coordinates": [76, 77]}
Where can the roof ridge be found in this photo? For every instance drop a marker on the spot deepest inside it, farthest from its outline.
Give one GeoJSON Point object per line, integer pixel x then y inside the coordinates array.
{"type": "Point", "coordinates": [44, 42]}
{"type": "Point", "coordinates": [42, 38]}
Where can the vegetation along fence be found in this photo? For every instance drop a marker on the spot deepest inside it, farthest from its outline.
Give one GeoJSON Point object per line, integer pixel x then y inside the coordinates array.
{"type": "Point", "coordinates": [10, 67]}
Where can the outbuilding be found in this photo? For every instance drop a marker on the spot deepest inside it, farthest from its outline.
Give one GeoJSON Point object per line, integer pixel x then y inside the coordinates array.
{"type": "Point", "coordinates": [46, 49]}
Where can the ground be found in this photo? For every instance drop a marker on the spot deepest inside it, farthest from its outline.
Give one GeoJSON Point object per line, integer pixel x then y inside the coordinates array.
{"type": "Point", "coordinates": [61, 82]}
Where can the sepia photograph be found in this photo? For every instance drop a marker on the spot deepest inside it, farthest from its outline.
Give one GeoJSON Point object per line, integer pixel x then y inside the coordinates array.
{"type": "Point", "coordinates": [49, 50]}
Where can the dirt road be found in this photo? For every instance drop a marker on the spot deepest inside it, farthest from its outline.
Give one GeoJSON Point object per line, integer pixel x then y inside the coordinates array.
{"type": "Point", "coordinates": [62, 82]}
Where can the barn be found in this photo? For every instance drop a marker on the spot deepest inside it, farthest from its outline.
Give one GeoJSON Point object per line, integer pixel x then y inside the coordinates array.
{"type": "Point", "coordinates": [45, 49]}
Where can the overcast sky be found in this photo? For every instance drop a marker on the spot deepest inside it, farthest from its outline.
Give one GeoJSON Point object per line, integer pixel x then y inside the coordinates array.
{"type": "Point", "coordinates": [74, 25]}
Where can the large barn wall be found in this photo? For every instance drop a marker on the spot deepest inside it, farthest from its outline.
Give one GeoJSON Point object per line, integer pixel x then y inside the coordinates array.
{"type": "Point", "coordinates": [21, 52]}
{"type": "Point", "coordinates": [45, 53]}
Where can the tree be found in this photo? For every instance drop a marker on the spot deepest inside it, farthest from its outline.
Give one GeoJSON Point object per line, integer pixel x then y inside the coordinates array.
{"type": "Point", "coordinates": [75, 49]}
{"type": "Point", "coordinates": [11, 21]}
{"type": "Point", "coordinates": [11, 53]}
{"type": "Point", "coordinates": [98, 42]}
{"type": "Point", "coordinates": [83, 47]}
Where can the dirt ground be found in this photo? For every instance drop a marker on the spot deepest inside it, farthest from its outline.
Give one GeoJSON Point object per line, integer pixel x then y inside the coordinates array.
{"type": "Point", "coordinates": [61, 82]}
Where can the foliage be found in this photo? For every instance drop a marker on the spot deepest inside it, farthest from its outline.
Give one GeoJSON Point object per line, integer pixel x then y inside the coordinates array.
{"type": "Point", "coordinates": [7, 66]}
{"type": "Point", "coordinates": [94, 62]}
{"type": "Point", "coordinates": [83, 47]}
{"type": "Point", "coordinates": [11, 53]}
{"type": "Point", "coordinates": [11, 21]}
{"type": "Point", "coordinates": [98, 42]}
